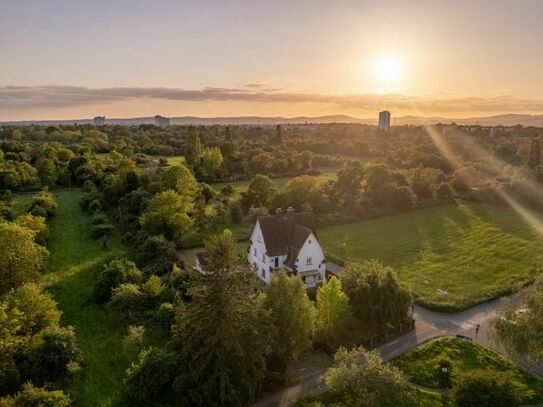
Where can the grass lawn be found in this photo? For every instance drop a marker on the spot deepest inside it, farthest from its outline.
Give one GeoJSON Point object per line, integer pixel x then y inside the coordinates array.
{"type": "Point", "coordinates": [73, 263]}
{"type": "Point", "coordinates": [422, 364]}
{"type": "Point", "coordinates": [473, 251]}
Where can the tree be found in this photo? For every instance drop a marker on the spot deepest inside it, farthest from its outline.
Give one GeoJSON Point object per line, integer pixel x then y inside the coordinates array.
{"type": "Point", "coordinates": [212, 162]}
{"type": "Point", "coordinates": [305, 159]}
{"type": "Point", "coordinates": [262, 162]}
{"type": "Point", "coordinates": [292, 316]}
{"type": "Point", "coordinates": [157, 255]}
{"type": "Point", "coordinates": [180, 179]}
{"type": "Point", "coordinates": [534, 156]}
{"type": "Point", "coordinates": [377, 298]}
{"type": "Point", "coordinates": [302, 191]}
{"type": "Point", "coordinates": [220, 338]}
{"type": "Point", "coordinates": [168, 214]}
{"type": "Point", "coordinates": [46, 172]}
{"type": "Point", "coordinates": [362, 379]}
{"type": "Point", "coordinates": [193, 149]}
{"type": "Point", "coordinates": [152, 376]}
{"type": "Point", "coordinates": [377, 175]}
{"type": "Point", "coordinates": [25, 312]}
{"type": "Point", "coordinates": [22, 258]}
{"type": "Point", "coordinates": [115, 273]}
{"type": "Point", "coordinates": [403, 199]}
{"type": "Point", "coordinates": [35, 223]}
{"type": "Point", "coordinates": [43, 204]}
{"type": "Point", "coordinates": [348, 185]}
{"type": "Point", "coordinates": [278, 134]}
{"type": "Point", "coordinates": [520, 333]}
{"type": "Point", "coordinates": [486, 388]}
{"type": "Point", "coordinates": [260, 192]}
{"type": "Point", "coordinates": [53, 353]}
{"type": "Point", "coordinates": [332, 310]}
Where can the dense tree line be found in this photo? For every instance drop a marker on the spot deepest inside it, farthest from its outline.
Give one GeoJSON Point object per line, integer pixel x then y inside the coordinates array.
{"type": "Point", "coordinates": [35, 350]}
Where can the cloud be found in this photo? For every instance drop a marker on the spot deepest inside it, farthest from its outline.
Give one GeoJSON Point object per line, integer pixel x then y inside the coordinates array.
{"type": "Point", "coordinates": [24, 97]}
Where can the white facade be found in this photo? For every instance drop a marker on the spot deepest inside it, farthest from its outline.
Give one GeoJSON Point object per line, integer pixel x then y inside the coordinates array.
{"type": "Point", "coordinates": [309, 264]}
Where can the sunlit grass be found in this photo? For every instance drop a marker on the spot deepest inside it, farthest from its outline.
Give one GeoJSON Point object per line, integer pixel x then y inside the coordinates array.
{"type": "Point", "coordinates": [74, 261]}
{"type": "Point", "coordinates": [475, 252]}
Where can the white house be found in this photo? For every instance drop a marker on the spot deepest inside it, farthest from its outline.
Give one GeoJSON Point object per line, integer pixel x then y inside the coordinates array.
{"type": "Point", "coordinates": [287, 241]}
{"type": "Point", "coordinates": [202, 259]}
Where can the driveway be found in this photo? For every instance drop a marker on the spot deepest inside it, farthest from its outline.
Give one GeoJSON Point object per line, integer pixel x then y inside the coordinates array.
{"type": "Point", "coordinates": [428, 325]}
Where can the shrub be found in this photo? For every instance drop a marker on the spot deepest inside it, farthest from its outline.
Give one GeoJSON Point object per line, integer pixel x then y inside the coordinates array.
{"type": "Point", "coordinates": [482, 388]}
{"type": "Point", "coordinates": [115, 273]}
{"type": "Point", "coordinates": [43, 205]}
{"type": "Point", "coordinates": [31, 396]}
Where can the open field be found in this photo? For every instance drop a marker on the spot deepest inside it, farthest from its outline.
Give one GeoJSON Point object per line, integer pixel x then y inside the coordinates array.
{"type": "Point", "coordinates": [73, 263]}
{"type": "Point", "coordinates": [473, 251]}
{"type": "Point", "coordinates": [422, 365]}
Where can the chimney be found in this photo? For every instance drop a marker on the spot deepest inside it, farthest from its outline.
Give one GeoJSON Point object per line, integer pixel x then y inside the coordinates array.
{"type": "Point", "coordinates": [290, 210]}
{"type": "Point", "coordinates": [278, 211]}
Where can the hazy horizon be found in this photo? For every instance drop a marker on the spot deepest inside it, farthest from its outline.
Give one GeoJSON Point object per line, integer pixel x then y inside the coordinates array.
{"type": "Point", "coordinates": [75, 59]}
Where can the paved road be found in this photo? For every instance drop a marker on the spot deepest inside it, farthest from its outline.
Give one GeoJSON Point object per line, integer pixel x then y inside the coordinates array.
{"type": "Point", "coordinates": [428, 325]}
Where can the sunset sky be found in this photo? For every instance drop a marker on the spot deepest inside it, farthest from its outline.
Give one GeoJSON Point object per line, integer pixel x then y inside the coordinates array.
{"type": "Point", "coordinates": [69, 59]}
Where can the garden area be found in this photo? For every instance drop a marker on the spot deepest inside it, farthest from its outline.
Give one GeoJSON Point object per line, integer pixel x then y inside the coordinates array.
{"type": "Point", "coordinates": [423, 366]}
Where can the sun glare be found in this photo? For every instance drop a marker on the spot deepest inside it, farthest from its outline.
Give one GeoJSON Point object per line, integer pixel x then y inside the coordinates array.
{"type": "Point", "coordinates": [387, 68]}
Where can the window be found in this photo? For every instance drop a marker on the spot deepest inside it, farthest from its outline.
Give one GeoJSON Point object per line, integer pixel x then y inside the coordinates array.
{"type": "Point", "coordinates": [309, 241]}
{"type": "Point", "coordinates": [308, 261]}
{"type": "Point", "coordinates": [276, 262]}
{"type": "Point", "coordinates": [263, 273]}
{"type": "Point", "coordinates": [255, 252]}
{"type": "Point", "coordinates": [263, 256]}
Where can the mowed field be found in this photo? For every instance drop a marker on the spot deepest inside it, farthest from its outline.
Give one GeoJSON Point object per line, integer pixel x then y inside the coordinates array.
{"type": "Point", "coordinates": [74, 261]}
{"type": "Point", "coordinates": [473, 251]}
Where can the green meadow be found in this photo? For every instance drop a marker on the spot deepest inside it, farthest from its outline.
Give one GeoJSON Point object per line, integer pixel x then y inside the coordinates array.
{"type": "Point", "coordinates": [475, 252]}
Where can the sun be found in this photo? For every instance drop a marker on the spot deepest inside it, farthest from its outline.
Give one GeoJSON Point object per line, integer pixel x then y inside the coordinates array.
{"type": "Point", "coordinates": [387, 68]}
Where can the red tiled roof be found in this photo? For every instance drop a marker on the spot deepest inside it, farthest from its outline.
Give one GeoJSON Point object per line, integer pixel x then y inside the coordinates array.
{"type": "Point", "coordinates": [299, 236]}
{"type": "Point", "coordinates": [286, 233]}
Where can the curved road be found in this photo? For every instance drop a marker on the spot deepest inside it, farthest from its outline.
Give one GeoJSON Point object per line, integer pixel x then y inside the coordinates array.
{"type": "Point", "coordinates": [428, 325]}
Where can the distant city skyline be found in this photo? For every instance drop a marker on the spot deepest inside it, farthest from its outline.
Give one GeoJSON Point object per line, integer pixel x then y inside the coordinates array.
{"type": "Point", "coordinates": [79, 59]}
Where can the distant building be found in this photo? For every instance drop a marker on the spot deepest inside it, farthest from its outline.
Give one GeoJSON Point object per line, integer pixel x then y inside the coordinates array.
{"type": "Point", "coordinates": [99, 120]}
{"type": "Point", "coordinates": [384, 120]}
{"type": "Point", "coordinates": [161, 121]}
